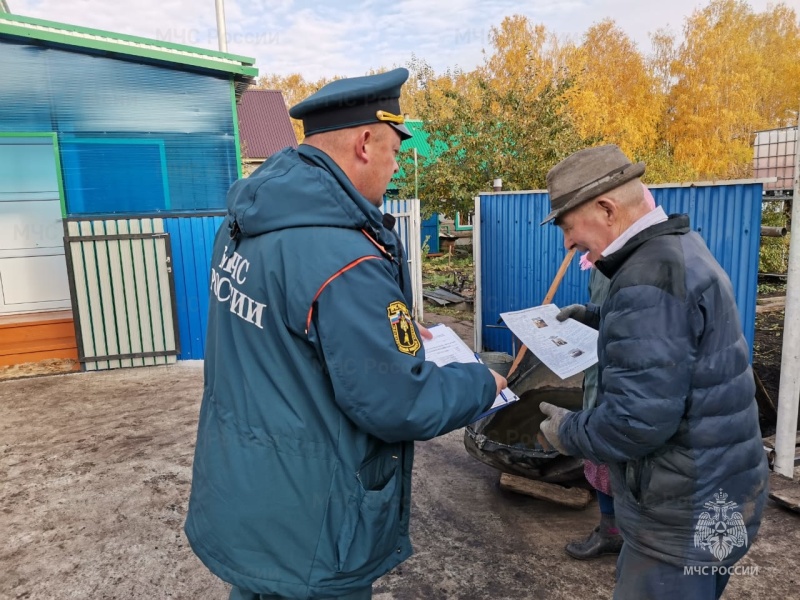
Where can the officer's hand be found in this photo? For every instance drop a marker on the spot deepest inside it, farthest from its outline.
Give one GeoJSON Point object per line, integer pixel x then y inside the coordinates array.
{"type": "Point", "coordinates": [424, 332]}
{"type": "Point", "coordinates": [580, 314]}
{"type": "Point", "coordinates": [555, 416]}
{"type": "Point", "coordinates": [499, 381]}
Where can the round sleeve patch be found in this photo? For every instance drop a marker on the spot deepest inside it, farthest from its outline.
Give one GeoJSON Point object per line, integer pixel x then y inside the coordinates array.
{"type": "Point", "coordinates": [405, 334]}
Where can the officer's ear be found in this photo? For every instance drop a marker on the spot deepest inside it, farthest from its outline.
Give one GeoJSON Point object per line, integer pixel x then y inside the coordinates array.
{"type": "Point", "coordinates": [362, 142]}
{"type": "Point", "coordinates": [369, 139]}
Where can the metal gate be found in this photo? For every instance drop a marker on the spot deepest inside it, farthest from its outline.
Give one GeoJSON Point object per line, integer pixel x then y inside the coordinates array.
{"type": "Point", "coordinates": [122, 291]}
{"type": "Point", "coordinates": [409, 228]}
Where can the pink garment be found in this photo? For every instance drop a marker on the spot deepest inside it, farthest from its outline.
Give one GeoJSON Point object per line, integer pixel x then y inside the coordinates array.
{"type": "Point", "coordinates": [598, 476]}
{"type": "Point", "coordinates": [584, 262]}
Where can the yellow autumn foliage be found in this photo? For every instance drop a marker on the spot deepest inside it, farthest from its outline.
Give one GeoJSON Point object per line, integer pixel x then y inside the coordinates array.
{"type": "Point", "coordinates": [689, 108]}
{"type": "Point", "coordinates": [614, 97]}
{"type": "Point", "coordinates": [736, 72]}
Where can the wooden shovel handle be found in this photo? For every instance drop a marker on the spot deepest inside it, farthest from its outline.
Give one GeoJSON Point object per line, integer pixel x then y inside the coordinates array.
{"type": "Point", "coordinates": [547, 300]}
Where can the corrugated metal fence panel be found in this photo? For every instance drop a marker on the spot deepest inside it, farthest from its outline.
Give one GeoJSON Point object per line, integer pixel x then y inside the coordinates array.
{"type": "Point", "coordinates": [122, 292]}
{"type": "Point", "coordinates": [398, 208]}
{"type": "Point", "coordinates": [519, 258]}
{"type": "Point", "coordinates": [430, 232]}
{"type": "Point", "coordinates": [192, 243]}
{"type": "Point", "coordinates": [728, 217]}
{"type": "Point", "coordinates": [409, 230]}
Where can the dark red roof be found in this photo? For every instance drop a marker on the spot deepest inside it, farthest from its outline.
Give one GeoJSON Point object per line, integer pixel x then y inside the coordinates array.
{"type": "Point", "coordinates": [264, 124]}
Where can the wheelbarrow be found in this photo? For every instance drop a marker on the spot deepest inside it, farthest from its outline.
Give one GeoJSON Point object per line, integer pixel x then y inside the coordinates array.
{"type": "Point", "coordinates": [510, 440]}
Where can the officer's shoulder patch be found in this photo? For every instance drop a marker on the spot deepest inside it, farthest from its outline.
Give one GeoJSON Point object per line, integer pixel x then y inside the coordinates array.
{"type": "Point", "coordinates": [405, 334]}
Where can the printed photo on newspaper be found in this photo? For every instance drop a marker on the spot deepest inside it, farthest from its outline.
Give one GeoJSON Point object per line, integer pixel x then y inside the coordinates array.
{"type": "Point", "coordinates": [446, 347]}
{"type": "Point", "coordinates": [566, 347]}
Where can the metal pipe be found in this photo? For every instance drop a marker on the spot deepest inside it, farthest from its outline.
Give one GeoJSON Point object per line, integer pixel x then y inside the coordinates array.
{"type": "Point", "coordinates": [477, 306]}
{"type": "Point", "coordinates": [4, 7]}
{"type": "Point", "coordinates": [788, 391]}
{"type": "Point", "coordinates": [772, 231]}
{"type": "Point", "coordinates": [222, 36]}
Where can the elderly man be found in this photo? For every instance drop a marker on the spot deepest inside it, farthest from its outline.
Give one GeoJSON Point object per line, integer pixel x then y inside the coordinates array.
{"type": "Point", "coordinates": [316, 381]}
{"type": "Point", "coordinates": [676, 419]}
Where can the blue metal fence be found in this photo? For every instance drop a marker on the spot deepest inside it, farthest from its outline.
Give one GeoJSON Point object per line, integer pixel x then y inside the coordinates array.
{"type": "Point", "coordinates": [519, 258]}
{"type": "Point", "coordinates": [192, 240]}
{"type": "Point", "coordinates": [430, 233]}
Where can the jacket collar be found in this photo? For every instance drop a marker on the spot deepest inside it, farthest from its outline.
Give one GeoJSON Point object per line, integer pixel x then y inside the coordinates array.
{"type": "Point", "coordinates": [674, 225]}
{"type": "Point", "coordinates": [361, 208]}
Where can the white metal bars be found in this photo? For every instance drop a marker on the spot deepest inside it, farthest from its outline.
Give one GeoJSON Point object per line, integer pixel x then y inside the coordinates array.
{"type": "Point", "coordinates": [122, 292]}
{"type": "Point", "coordinates": [409, 228]}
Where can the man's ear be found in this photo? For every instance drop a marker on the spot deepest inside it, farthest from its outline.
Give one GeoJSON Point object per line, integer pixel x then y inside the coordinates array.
{"type": "Point", "coordinates": [362, 140]}
{"type": "Point", "coordinates": [609, 208]}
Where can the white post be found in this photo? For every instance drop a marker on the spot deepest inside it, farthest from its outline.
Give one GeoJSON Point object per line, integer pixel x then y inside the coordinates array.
{"type": "Point", "coordinates": [222, 36]}
{"type": "Point", "coordinates": [416, 178]}
{"type": "Point", "coordinates": [789, 390]}
{"type": "Point", "coordinates": [477, 331]}
{"type": "Point", "coordinates": [415, 255]}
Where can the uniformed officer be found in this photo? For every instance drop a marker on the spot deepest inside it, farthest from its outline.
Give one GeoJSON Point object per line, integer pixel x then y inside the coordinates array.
{"type": "Point", "coordinates": [316, 382]}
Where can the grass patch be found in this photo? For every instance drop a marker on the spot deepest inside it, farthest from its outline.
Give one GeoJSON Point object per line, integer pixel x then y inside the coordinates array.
{"type": "Point", "coordinates": [446, 311]}
{"type": "Point", "coordinates": [453, 272]}
{"type": "Point", "coordinates": [771, 288]}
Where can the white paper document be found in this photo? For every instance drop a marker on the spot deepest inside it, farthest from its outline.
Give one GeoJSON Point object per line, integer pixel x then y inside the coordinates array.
{"type": "Point", "coordinates": [446, 347]}
{"type": "Point", "coordinates": [566, 347]}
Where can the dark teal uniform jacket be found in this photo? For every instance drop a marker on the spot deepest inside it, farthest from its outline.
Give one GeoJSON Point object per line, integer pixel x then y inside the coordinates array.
{"type": "Point", "coordinates": [315, 386]}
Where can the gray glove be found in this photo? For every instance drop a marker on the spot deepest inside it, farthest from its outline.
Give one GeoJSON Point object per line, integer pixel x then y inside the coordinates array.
{"type": "Point", "coordinates": [581, 314]}
{"type": "Point", "coordinates": [550, 426]}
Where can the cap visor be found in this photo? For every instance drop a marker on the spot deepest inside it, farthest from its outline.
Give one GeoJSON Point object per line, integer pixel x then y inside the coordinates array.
{"type": "Point", "coordinates": [401, 130]}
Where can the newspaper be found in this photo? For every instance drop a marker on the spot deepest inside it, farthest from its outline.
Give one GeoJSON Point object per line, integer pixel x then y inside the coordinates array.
{"type": "Point", "coordinates": [566, 347]}
{"type": "Point", "coordinates": [446, 347]}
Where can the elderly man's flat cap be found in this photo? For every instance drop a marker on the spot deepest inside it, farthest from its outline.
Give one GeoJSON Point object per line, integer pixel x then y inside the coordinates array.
{"type": "Point", "coordinates": [355, 101]}
{"type": "Point", "coordinates": [587, 174]}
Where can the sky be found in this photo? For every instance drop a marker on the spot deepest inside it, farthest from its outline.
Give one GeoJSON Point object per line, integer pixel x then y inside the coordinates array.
{"type": "Point", "coordinates": [348, 38]}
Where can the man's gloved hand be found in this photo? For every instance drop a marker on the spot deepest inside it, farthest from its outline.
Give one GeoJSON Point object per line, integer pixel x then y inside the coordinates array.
{"type": "Point", "coordinates": [555, 416]}
{"type": "Point", "coordinates": [581, 314]}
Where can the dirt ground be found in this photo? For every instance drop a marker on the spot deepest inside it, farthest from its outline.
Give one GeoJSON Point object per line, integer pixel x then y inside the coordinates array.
{"type": "Point", "coordinates": [96, 469]}
{"type": "Point", "coordinates": [767, 348]}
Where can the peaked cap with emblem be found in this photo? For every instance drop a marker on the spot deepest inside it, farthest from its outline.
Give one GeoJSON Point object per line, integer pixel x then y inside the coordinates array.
{"type": "Point", "coordinates": [355, 101]}
{"type": "Point", "coordinates": [585, 175]}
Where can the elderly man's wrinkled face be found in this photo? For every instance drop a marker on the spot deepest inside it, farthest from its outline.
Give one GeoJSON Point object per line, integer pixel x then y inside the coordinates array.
{"type": "Point", "coordinates": [588, 228]}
